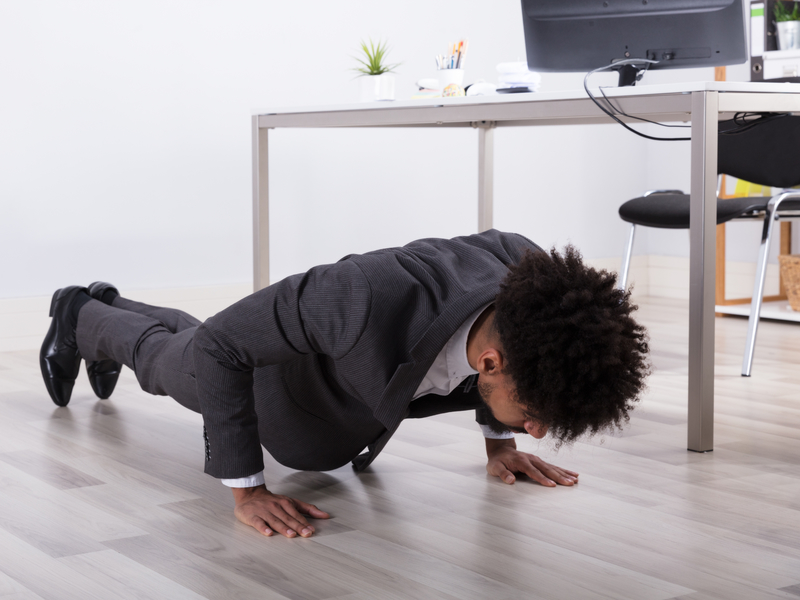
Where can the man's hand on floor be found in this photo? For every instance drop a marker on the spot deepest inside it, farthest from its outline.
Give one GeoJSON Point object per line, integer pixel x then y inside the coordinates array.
{"type": "Point", "coordinates": [268, 512]}
{"type": "Point", "coordinates": [505, 460]}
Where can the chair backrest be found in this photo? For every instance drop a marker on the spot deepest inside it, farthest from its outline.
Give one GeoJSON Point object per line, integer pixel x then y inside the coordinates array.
{"type": "Point", "coordinates": [767, 154]}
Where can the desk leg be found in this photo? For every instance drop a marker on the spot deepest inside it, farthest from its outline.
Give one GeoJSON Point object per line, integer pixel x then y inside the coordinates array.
{"type": "Point", "coordinates": [260, 207]}
{"type": "Point", "coordinates": [702, 237]}
{"type": "Point", "coordinates": [485, 176]}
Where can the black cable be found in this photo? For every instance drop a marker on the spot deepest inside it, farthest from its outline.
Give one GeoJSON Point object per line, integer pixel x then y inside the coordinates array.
{"type": "Point", "coordinates": [630, 61]}
{"type": "Point", "coordinates": [740, 119]}
{"type": "Point", "coordinates": [624, 114]}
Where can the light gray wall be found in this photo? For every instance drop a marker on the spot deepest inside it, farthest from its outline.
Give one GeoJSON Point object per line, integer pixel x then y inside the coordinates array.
{"type": "Point", "coordinates": [125, 142]}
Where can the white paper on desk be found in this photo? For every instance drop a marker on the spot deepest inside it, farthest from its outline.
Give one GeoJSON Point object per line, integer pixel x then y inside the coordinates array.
{"type": "Point", "coordinates": [516, 74]}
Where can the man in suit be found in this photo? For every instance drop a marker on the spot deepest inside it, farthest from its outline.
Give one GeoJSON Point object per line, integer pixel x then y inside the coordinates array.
{"type": "Point", "coordinates": [322, 367]}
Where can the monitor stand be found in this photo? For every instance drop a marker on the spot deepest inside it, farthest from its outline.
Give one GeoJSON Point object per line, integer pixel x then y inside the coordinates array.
{"type": "Point", "coordinates": [627, 75]}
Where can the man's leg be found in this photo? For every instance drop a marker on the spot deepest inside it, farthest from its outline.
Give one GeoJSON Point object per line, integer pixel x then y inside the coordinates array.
{"type": "Point", "coordinates": [157, 344]}
{"type": "Point", "coordinates": [161, 359]}
{"type": "Point", "coordinates": [173, 319]}
{"type": "Point", "coordinates": [103, 374]}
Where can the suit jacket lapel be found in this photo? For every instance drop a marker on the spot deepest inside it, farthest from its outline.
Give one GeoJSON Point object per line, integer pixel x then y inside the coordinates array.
{"type": "Point", "coordinates": [394, 402]}
{"type": "Point", "coordinates": [393, 406]}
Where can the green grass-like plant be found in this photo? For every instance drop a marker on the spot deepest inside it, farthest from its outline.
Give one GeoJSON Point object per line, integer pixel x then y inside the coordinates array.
{"type": "Point", "coordinates": [373, 59]}
{"type": "Point", "coordinates": [782, 13]}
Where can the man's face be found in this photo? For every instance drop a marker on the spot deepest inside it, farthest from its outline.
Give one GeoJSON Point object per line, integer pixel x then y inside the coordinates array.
{"type": "Point", "coordinates": [505, 413]}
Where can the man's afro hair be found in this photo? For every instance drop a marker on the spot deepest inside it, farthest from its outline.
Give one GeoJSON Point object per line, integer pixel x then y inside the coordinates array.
{"type": "Point", "coordinates": [576, 357]}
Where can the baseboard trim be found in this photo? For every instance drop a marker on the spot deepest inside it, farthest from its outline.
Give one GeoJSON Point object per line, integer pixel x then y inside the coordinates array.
{"type": "Point", "coordinates": [24, 321]}
{"type": "Point", "coordinates": [668, 276]}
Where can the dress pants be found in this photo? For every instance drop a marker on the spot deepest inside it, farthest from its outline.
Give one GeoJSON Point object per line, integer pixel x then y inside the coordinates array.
{"type": "Point", "coordinates": [157, 344]}
{"type": "Point", "coordinates": [154, 342]}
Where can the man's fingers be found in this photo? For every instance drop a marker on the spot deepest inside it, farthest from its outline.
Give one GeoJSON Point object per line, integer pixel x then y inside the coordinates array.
{"type": "Point", "coordinates": [558, 474]}
{"type": "Point", "coordinates": [280, 526]}
{"type": "Point", "coordinates": [260, 525]}
{"type": "Point", "coordinates": [554, 474]}
{"type": "Point", "coordinates": [267, 512]}
{"type": "Point", "coordinates": [293, 520]}
{"type": "Point", "coordinates": [311, 510]}
{"type": "Point", "coordinates": [562, 476]}
{"type": "Point", "coordinates": [504, 474]}
{"type": "Point", "coordinates": [536, 474]}
{"type": "Point", "coordinates": [504, 464]}
{"type": "Point", "coordinates": [568, 476]}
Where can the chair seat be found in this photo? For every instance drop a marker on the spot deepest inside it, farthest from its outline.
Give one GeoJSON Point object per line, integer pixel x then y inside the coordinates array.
{"type": "Point", "coordinates": [671, 211]}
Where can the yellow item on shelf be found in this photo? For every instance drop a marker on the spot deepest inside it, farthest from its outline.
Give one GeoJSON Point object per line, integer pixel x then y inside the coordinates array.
{"type": "Point", "coordinates": [745, 189]}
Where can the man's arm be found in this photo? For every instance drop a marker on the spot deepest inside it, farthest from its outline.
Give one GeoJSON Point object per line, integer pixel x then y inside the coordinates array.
{"type": "Point", "coordinates": [323, 311]}
{"type": "Point", "coordinates": [505, 460]}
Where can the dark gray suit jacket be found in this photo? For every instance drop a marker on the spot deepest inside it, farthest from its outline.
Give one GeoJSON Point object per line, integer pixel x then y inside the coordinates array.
{"type": "Point", "coordinates": [322, 364]}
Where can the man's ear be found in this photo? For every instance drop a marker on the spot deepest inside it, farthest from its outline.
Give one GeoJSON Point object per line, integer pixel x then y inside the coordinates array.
{"type": "Point", "coordinates": [490, 362]}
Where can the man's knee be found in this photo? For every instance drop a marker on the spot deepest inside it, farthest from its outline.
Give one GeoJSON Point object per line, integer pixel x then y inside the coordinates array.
{"type": "Point", "coordinates": [327, 461]}
{"type": "Point", "coordinates": [147, 359]}
{"type": "Point", "coordinates": [165, 365]}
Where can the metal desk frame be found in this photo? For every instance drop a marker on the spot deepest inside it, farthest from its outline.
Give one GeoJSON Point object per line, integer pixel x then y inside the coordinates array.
{"type": "Point", "coordinates": [701, 103]}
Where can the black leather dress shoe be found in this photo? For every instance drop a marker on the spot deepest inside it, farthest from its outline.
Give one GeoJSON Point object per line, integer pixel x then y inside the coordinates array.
{"type": "Point", "coordinates": [59, 357]}
{"type": "Point", "coordinates": [103, 374]}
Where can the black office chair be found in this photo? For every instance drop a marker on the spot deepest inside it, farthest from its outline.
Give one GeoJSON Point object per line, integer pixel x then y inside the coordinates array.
{"type": "Point", "coordinates": [766, 153]}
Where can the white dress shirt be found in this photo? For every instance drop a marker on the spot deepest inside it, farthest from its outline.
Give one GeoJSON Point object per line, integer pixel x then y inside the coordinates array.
{"type": "Point", "coordinates": [449, 368]}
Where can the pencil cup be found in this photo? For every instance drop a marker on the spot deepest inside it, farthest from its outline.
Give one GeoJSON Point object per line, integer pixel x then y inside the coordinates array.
{"type": "Point", "coordinates": [448, 76]}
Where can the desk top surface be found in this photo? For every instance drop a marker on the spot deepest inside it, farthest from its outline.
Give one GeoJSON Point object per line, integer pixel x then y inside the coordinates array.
{"type": "Point", "coordinates": [619, 92]}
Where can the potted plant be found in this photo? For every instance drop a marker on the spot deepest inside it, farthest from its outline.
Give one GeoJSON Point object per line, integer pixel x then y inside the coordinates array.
{"type": "Point", "coordinates": [377, 79]}
{"type": "Point", "coordinates": [788, 24]}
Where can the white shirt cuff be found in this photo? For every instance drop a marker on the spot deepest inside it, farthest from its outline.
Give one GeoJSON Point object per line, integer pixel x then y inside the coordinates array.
{"type": "Point", "coordinates": [242, 482]}
{"type": "Point", "coordinates": [488, 433]}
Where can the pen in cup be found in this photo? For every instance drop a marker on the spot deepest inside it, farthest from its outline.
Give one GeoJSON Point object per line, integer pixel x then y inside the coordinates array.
{"type": "Point", "coordinates": [455, 57]}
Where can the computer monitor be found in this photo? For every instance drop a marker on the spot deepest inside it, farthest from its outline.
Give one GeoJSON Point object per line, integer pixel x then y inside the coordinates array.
{"type": "Point", "coordinates": [582, 35]}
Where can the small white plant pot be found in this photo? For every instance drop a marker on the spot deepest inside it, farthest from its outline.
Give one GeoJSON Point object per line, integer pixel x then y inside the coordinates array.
{"type": "Point", "coordinates": [377, 87]}
{"type": "Point", "coordinates": [788, 35]}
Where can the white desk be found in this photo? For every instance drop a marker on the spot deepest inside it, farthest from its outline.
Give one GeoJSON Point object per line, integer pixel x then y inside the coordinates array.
{"type": "Point", "coordinates": [701, 103]}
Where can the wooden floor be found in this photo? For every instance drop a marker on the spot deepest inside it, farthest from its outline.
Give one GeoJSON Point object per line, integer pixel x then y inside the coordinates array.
{"type": "Point", "coordinates": [107, 499]}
